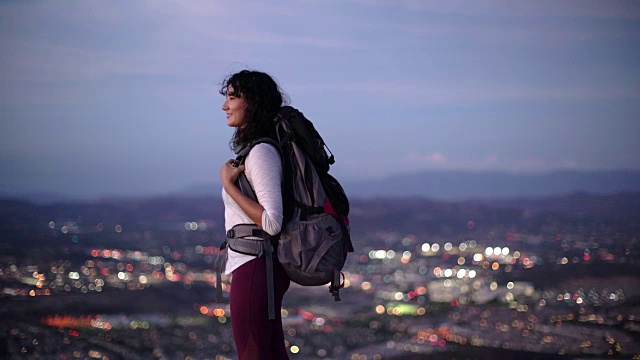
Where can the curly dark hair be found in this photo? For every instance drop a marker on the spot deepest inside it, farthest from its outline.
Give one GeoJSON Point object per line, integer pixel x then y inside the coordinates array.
{"type": "Point", "coordinates": [264, 98]}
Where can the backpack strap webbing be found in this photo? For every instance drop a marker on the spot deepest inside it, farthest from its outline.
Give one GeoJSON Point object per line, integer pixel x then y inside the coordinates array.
{"type": "Point", "coordinates": [270, 287]}
{"type": "Point", "coordinates": [219, 266]}
{"type": "Point", "coordinates": [336, 284]}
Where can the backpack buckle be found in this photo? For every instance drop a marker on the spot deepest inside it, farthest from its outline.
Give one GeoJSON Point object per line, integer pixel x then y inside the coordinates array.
{"type": "Point", "coordinates": [231, 234]}
{"type": "Point", "coordinates": [258, 233]}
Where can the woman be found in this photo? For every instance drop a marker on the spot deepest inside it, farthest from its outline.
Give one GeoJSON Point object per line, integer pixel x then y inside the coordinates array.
{"type": "Point", "coordinates": [252, 100]}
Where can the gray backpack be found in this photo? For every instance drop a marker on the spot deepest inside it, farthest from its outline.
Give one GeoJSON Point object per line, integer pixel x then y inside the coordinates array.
{"type": "Point", "coordinates": [315, 238]}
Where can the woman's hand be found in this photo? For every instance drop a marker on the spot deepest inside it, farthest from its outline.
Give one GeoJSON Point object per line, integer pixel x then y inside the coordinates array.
{"type": "Point", "coordinates": [229, 173]}
{"type": "Point", "coordinates": [228, 176]}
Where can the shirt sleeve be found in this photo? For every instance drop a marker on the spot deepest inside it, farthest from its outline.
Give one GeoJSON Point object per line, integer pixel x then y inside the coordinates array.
{"type": "Point", "coordinates": [263, 168]}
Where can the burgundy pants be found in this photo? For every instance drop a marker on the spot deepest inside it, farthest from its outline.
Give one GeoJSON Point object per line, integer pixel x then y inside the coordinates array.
{"type": "Point", "coordinates": [257, 337]}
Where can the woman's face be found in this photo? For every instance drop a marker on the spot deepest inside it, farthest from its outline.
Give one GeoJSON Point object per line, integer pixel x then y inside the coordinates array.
{"type": "Point", "coordinates": [234, 106]}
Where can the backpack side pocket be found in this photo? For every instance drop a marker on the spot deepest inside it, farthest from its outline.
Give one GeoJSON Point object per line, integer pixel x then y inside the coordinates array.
{"type": "Point", "coordinates": [312, 250]}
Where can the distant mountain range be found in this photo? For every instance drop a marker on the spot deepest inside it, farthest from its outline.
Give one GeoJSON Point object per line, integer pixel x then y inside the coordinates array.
{"type": "Point", "coordinates": [374, 221]}
{"type": "Point", "coordinates": [444, 185]}
{"type": "Point", "coordinates": [462, 185]}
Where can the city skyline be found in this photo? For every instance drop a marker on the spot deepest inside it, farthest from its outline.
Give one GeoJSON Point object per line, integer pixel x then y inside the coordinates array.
{"type": "Point", "coordinates": [134, 279]}
{"type": "Point", "coordinates": [123, 99]}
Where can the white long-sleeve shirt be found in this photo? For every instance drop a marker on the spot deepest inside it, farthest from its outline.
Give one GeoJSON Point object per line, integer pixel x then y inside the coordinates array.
{"type": "Point", "coordinates": [263, 169]}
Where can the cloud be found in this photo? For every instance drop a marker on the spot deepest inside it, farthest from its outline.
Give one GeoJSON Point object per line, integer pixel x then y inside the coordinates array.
{"type": "Point", "coordinates": [489, 162]}
{"type": "Point", "coordinates": [218, 9]}
{"type": "Point", "coordinates": [570, 164]}
{"type": "Point", "coordinates": [451, 92]}
{"type": "Point", "coordinates": [190, 38]}
{"type": "Point", "coordinates": [610, 9]}
{"type": "Point", "coordinates": [437, 160]}
{"type": "Point", "coordinates": [163, 40]}
{"type": "Point", "coordinates": [370, 167]}
{"type": "Point", "coordinates": [539, 35]}
{"type": "Point", "coordinates": [58, 74]}
{"type": "Point", "coordinates": [273, 39]}
{"type": "Point", "coordinates": [434, 158]}
{"type": "Point", "coordinates": [542, 23]}
{"type": "Point", "coordinates": [47, 62]}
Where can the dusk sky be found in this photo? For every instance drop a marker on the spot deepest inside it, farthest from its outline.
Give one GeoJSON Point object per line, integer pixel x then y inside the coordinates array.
{"type": "Point", "coordinates": [121, 97]}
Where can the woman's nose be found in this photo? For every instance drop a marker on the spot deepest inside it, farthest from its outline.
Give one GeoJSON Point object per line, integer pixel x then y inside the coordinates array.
{"type": "Point", "coordinates": [224, 106]}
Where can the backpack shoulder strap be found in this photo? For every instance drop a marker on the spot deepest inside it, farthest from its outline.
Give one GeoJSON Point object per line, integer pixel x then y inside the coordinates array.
{"type": "Point", "coordinates": [241, 154]}
{"type": "Point", "coordinates": [242, 182]}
